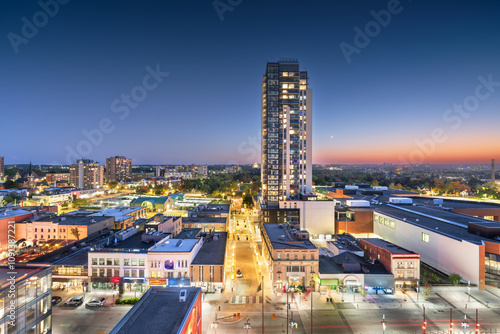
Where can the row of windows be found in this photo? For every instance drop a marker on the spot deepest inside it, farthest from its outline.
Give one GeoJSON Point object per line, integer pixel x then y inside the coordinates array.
{"type": "Point", "coordinates": [48, 230]}
{"type": "Point", "coordinates": [295, 256]}
{"type": "Point", "coordinates": [385, 221]}
{"type": "Point", "coordinates": [116, 262]}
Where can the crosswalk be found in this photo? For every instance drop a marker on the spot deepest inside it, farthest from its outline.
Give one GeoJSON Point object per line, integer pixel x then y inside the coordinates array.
{"type": "Point", "coordinates": [246, 300]}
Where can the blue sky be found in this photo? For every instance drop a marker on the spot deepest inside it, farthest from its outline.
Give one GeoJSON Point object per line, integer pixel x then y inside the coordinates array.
{"type": "Point", "coordinates": [385, 105]}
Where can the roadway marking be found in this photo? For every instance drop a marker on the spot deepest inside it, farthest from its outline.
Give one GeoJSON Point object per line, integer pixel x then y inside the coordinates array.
{"type": "Point", "coordinates": [246, 300]}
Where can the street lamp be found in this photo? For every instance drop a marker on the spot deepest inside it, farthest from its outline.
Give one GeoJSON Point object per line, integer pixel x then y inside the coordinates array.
{"type": "Point", "coordinates": [384, 323]}
{"type": "Point", "coordinates": [465, 324]}
{"type": "Point", "coordinates": [468, 291]}
{"type": "Point", "coordinates": [247, 325]}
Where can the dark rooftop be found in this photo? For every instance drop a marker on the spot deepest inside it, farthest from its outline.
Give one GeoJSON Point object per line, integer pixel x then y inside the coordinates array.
{"type": "Point", "coordinates": [212, 252]}
{"type": "Point", "coordinates": [158, 311]}
{"type": "Point", "coordinates": [133, 243]}
{"type": "Point", "coordinates": [281, 236]}
{"type": "Point", "coordinates": [347, 262]}
{"type": "Point", "coordinates": [188, 233]}
{"type": "Point", "coordinates": [388, 246]}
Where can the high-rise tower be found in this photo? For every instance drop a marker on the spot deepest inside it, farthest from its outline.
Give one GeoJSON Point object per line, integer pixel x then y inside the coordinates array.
{"type": "Point", "coordinates": [286, 132]}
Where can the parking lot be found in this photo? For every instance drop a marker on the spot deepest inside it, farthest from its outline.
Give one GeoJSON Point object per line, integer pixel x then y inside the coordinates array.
{"type": "Point", "coordinates": [82, 319]}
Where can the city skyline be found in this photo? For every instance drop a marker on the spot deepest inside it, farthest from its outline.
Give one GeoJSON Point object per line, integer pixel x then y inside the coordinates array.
{"type": "Point", "coordinates": [388, 78]}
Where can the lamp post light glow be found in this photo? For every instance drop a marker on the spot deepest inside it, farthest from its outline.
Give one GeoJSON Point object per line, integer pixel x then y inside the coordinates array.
{"type": "Point", "coordinates": [384, 323]}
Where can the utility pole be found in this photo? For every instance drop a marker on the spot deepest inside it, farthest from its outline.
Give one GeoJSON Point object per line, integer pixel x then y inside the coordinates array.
{"type": "Point", "coordinates": [287, 311]}
{"type": "Point", "coordinates": [451, 322]}
{"type": "Point", "coordinates": [424, 326]}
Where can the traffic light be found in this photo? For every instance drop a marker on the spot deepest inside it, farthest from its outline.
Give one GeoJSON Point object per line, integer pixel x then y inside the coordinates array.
{"type": "Point", "coordinates": [274, 316]}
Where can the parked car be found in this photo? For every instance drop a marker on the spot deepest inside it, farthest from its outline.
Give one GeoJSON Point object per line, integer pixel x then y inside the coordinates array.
{"type": "Point", "coordinates": [75, 301]}
{"type": "Point", "coordinates": [238, 273]}
{"type": "Point", "coordinates": [95, 302]}
{"type": "Point", "coordinates": [56, 300]}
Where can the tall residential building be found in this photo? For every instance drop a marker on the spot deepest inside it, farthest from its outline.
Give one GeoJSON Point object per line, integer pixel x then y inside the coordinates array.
{"type": "Point", "coordinates": [86, 174]}
{"type": "Point", "coordinates": [2, 169]}
{"type": "Point", "coordinates": [118, 169]}
{"type": "Point", "coordinates": [286, 132]}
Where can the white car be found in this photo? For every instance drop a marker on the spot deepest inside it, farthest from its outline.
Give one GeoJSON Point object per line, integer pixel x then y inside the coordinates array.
{"type": "Point", "coordinates": [94, 302]}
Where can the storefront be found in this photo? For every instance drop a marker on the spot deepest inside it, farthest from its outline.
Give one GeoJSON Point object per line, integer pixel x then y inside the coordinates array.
{"type": "Point", "coordinates": [134, 284]}
{"type": "Point", "coordinates": [179, 282]}
{"type": "Point", "coordinates": [105, 283]}
{"type": "Point", "coordinates": [327, 284]}
{"type": "Point", "coordinates": [158, 282]}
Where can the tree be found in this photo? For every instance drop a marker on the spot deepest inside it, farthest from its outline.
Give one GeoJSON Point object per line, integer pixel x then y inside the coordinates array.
{"type": "Point", "coordinates": [10, 185]}
{"type": "Point", "coordinates": [112, 184]}
{"type": "Point", "coordinates": [375, 183]}
{"type": "Point", "coordinates": [247, 200]}
{"type": "Point", "coordinates": [76, 233]}
{"type": "Point", "coordinates": [454, 279]}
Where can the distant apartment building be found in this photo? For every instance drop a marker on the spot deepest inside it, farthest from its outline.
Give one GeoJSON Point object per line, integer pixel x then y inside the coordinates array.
{"type": "Point", "coordinates": [201, 170]}
{"type": "Point", "coordinates": [52, 178]}
{"type": "Point", "coordinates": [29, 308]}
{"type": "Point", "coordinates": [119, 169]}
{"type": "Point", "coordinates": [402, 263]}
{"type": "Point", "coordinates": [2, 169]}
{"type": "Point", "coordinates": [87, 175]}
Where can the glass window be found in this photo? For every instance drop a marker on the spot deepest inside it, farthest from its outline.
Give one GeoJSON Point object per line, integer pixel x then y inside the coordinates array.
{"type": "Point", "coordinates": [126, 273]}
{"type": "Point", "coordinates": [134, 262]}
{"type": "Point", "coordinates": [109, 262]}
{"type": "Point", "coordinates": [141, 262]}
{"type": "Point", "coordinates": [279, 256]}
{"type": "Point", "coordinates": [287, 256]}
{"type": "Point", "coordinates": [296, 256]}
{"type": "Point", "coordinates": [425, 237]}
{"type": "Point", "coordinates": [109, 272]}
{"type": "Point", "coordinates": [116, 262]}
{"type": "Point", "coordinates": [126, 262]}
{"type": "Point", "coordinates": [141, 272]}
{"type": "Point", "coordinates": [101, 272]}
{"type": "Point", "coordinates": [101, 262]}
{"type": "Point", "coordinates": [94, 272]}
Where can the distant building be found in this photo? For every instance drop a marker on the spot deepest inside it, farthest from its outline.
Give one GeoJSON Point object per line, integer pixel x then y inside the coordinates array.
{"type": "Point", "coordinates": [118, 169]}
{"type": "Point", "coordinates": [2, 169]}
{"type": "Point", "coordinates": [211, 210]}
{"type": "Point", "coordinates": [87, 175]}
{"type": "Point", "coordinates": [53, 178]}
{"type": "Point", "coordinates": [201, 170]}
{"type": "Point", "coordinates": [154, 203]}
{"type": "Point", "coordinates": [232, 169]}
{"type": "Point", "coordinates": [164, 310]}
{"type": "Point", "coordinates": [32, 304]}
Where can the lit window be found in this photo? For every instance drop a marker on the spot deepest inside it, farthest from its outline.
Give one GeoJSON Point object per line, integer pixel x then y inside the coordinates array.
{"type": "Point", "coordinates": [425, 237]}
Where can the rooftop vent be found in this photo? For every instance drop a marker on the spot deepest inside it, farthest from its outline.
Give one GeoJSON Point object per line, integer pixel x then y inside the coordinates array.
{"type": "Point", "coordinates": [182, 296]}
{"type": "Point", "coordinates": [179, 243]}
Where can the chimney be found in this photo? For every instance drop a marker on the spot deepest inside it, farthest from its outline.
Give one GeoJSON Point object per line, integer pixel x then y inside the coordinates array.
{"type": "Point", "coordinates": [492, 170]}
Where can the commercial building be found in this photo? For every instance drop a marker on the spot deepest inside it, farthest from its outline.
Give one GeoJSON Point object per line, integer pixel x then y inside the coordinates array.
{"type": "Point", "coordinates": [350, 273]}
{"type": "Point", "coordinates": [211, 210]}
{"type": "Point", "coordinates": [154, 203]}
{"type": "Point", "coordinates": [26, 300]}
{"type": "Point", "coordinates": [86, 174]}
{"type": "Point", "coordinates": [207, 268]}
{"type": "Point", "coordinates": [291, 258]}
{"type": "Point", "coordinates": [124, 216]}
{"type": "Point", "coordinates": [207, 224]}
{"type": "Point", "coordinates": [402, 263]}
{"type": "Point", "coordinates": [119, 169]}
{"type": "Point", "coordinates": [63, 227]}
{"type": "Point", "coordinates": [164, 310]}
{"type": "Point", "coordinates": [8, 220]}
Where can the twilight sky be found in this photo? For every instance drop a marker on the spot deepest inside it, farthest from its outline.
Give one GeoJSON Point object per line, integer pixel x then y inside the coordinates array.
{"type": "Point", "coordinates": [171, 82]}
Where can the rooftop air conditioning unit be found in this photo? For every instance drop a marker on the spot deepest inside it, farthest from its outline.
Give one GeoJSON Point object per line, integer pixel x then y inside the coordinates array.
{"type": "Point", "coordinates": [182, 296]}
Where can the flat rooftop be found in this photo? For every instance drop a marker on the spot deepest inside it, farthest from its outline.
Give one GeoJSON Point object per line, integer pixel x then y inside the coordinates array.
{"type": "Point", "coordinates": [212, 208]}
{"type": "Point", "coordinates": [174, 246]}
{"type": "Point", "coordinates": [388, 246]}
{"type": "Point", "coordinates": [12, 213]}
{"type": "Point", "coordinates": [212, 252]}
{"type": "Point", "coordinates": [188, 233]}
{"type": "Point", "coordinates": [120, 213]}
{"type": "Point", "coordinates": [22, 272]}
{"type": "Point", "coordinates": [203, 220]}
{"type": "Point", "coordinates": [281, 237]}
{"type": "Point", "coordinates": [74, 220]}
{"type": "Point", "coordinates": [76, 259]}
{"type": "Point", "coordinates": [132, 244]}
{"type": "Point", "coordinates": [439, 221]}
{"type": "Point", "coordinates": [158, 311]}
